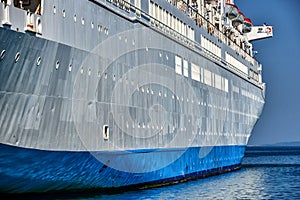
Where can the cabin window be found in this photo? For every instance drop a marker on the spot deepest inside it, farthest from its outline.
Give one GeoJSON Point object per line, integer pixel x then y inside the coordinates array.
{"type": "Point", "coordinates": [33, 6]}
{"type": "Point", "coordinates": [218, 81]}
{"type": "Point", "coordinates": [178, 65]}
{"type": "Point", "coordinates": [185, 68]}
{"type": "Point", "coordinates": [207, 77]}
{"type": "Point", "coordinates": [195, 72]}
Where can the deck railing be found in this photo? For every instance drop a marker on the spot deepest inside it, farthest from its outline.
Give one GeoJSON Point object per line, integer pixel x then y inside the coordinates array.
{"type": "Point", "coordinates": [212, 29]}
{"type": "Point", "coordinates": [201, 21]}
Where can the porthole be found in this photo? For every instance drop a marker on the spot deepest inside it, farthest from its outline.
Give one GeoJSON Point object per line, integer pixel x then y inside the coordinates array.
{"type": "Point", "coordinates": [92, 25]}
{"type": "Point", "coordinates": [57, 65]}
{"type": "Point", "coordinates": [64, 13]}
{"type": "Point", "coordinates": [99, 28]}
{"type": "Point", "coordinates": [3, 53]}
{"type": "Point", "coordinates": [17, 57]}
{"type": "Point", "coordinates": [38, 61]}
{"type": "Point", "coordinates": [106, 31]}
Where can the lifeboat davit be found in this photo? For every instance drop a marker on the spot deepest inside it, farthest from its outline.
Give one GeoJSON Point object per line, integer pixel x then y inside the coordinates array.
{"type": "Point", "coordinates": [247, 26]}
{"type": "Point", "coordinates": [231, 10]}
{"type": "Point", "coordinates": [238, 20]}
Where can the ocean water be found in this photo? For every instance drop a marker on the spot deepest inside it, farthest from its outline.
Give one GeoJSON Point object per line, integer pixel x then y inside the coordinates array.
{"type": "Point", "coordinates": [267, 173]}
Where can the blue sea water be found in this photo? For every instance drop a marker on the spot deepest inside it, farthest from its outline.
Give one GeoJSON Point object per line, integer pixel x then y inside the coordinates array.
{"type": "Point", "coordinates": [267, 173]}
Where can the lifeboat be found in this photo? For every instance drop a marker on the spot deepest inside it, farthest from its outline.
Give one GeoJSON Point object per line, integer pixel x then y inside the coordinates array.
{"type": "Point", "coordinates": [247, 26]}
{"type": "Point", "coordinates": [238, 20]}
{"type": "Point", "coordinates": [231, 10]}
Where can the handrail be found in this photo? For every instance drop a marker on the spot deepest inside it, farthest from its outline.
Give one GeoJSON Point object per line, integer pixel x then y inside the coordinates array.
{"type": "Point", "coordinates": [202, 21]}
{"type": "Point", "coordinates": [123, 4]}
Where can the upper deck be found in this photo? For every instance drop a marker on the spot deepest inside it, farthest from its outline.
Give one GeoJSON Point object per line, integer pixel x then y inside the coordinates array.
{"type": "Point", "coordinates": [177, 19]}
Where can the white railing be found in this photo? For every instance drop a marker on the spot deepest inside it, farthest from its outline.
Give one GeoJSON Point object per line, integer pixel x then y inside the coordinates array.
{"type": "Point", "coordinates": [140, 14]}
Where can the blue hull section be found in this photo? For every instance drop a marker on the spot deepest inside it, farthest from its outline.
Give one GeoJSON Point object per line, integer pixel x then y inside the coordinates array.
{"type": "Point", "coordinates": [29, 170]}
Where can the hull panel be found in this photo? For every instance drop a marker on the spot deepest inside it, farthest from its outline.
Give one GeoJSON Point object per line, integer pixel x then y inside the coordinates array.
{"type": "Point", "coordinates": [29, 170]}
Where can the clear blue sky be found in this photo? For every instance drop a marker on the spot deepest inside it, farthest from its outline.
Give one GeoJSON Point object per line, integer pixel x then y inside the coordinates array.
{"type": "Point", "coordinates": [280, 56]}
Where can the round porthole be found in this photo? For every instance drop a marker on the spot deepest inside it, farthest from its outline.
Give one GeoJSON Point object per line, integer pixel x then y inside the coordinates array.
{"type": "Point", "coordinates": [64, 13]}
{"type": "Point", "coordinates": [57, 64]}
{"type": "Point", "coordinates": [17, 57]}
{"type": "Point", "coordinates": [3, 53]}
{"type": "Point", "coordinates": [38, 61]}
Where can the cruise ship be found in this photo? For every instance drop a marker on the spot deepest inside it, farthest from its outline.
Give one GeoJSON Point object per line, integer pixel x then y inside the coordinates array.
{"type": "Point", "coordinates": [112, 94]}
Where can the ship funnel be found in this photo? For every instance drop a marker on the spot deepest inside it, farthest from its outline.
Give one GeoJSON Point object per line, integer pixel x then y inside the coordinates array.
{"type": "Point", "coordinates": [260, 32]}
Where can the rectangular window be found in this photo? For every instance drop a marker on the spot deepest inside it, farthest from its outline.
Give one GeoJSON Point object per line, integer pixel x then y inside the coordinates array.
{"type": "Point", "coordinates": [195, 72]}
{"type": "Point", "coordinates": [207, 77]}
{"type": "Point", "coordinates": [201, 75]}
{"type": "Point", "coordinates": [218, 81]}
{"type": "Point", "coordinates": [185, 68]}
{"type": "Point", "coordinates": [178, 65]}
